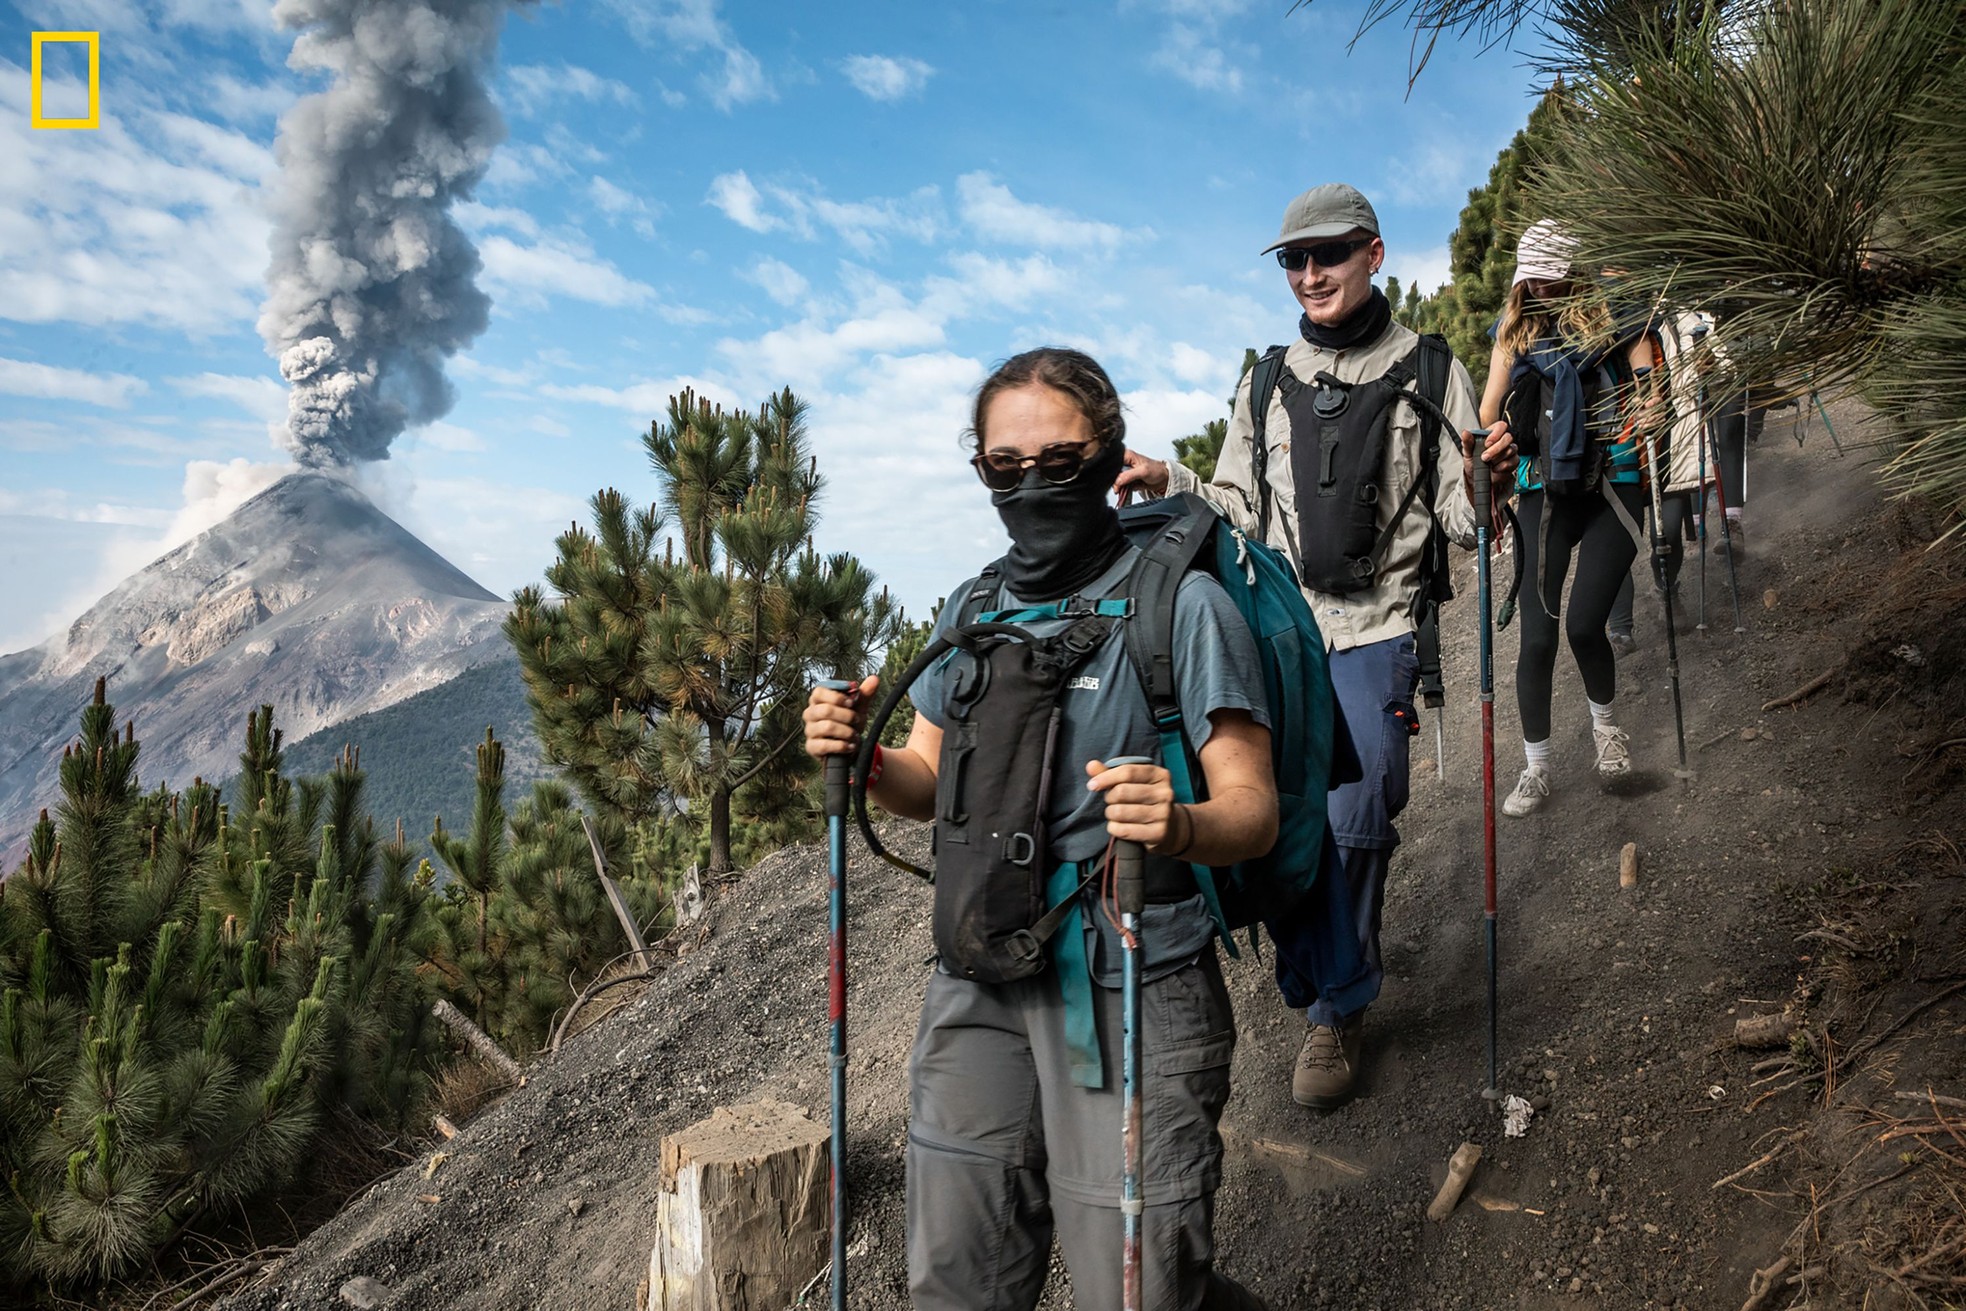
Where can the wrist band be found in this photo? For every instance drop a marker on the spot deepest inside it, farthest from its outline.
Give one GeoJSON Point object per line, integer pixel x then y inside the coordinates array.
{"type": "Point", "coordinates": [1189, 815]}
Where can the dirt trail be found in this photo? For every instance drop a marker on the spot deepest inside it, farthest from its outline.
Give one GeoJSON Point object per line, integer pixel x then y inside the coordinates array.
{"type": "Point", "coordinates": [1616, 1004]}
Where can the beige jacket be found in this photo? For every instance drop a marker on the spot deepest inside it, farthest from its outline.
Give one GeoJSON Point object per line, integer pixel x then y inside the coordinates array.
{"type": "Point", "coordinates": [1385, 611]}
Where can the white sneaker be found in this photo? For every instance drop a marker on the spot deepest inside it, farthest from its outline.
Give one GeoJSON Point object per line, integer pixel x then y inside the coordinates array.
{"type": "Point", "coordinates": [1531, 791]}
{"type": "Point", "coordinates": [1614, 752]}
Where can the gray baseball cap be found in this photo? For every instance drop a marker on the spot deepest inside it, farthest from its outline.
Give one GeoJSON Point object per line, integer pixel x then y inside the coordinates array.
{"type": "Point", "coordinates": [1324, 212]}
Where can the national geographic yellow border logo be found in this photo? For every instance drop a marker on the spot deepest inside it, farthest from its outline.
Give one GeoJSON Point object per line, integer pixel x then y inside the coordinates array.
{"type": "Point", "coordinates": [94, 41]}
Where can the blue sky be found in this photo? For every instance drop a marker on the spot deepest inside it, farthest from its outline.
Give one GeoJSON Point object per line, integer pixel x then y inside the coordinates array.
{"type": "Point", "coordinates": [872, 203]}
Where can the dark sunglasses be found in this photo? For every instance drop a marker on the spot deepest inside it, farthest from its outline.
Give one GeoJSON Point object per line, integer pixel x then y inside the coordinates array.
{"type": "Point", "coordinates": [1001, 471]}
{"type": "Point", "coordinates": [1326, 254]}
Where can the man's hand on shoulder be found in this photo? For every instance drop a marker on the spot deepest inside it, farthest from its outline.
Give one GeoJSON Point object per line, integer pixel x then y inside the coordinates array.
{"type": "Point", "coordinates": [1142, 473]}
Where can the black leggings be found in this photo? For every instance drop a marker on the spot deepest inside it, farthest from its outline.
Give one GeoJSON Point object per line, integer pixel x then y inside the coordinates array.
{"type": "Point", "coordinates": [1676, 515]}
{"type": "Point", "coordinates": [1588, 527]}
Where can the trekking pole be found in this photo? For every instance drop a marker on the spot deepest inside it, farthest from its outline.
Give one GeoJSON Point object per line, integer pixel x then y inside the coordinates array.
{"type": "Point", "coordinates": [1484, 516]}
{"type": "Point", "coordinates": [1726, 533]}
{"type": "Point", "coordinates": [1130, 891]}
{"type": "Point", "coordinates": [1648, 434]}
{"type": "Point", "coordinates": [1821, 409]}
{"type": "Point", "coordinates": [837, 772]}
{"type": "Point", "coordinates": [1700, 505]}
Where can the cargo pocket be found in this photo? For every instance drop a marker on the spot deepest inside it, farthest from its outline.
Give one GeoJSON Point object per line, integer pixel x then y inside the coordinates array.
{"type": "Point", "coordinates": [1190, 1037]}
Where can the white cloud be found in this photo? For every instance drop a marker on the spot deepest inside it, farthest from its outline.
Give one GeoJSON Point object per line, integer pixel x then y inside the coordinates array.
{"type": "Point", "coordinates": [236, 101]}
{"type": "Point", "coordinates": [809, 353]}
{"type": "Point", "coordinates": [1198, 59]}
{"type": "Point", "coordinates": [803, 210]}
{"type": "Point", "coordinates": [442, 436]}
{"type": "Point", "coordinates": [550, 426]}
{"type": "Point", "coordinates": [153, 219]}
{"type": "Point", "coordinates": [48, 383]}
{"type": "Point", "coordinates": [1155, 416]}
{"type": "Point", "coordinates": [780, 280]}
{"type": "Point", "coordinates": [645, 399]}
{"type": "Point", "coordinates": [973, 281]}
{"type": "Point", "coordinates": [532, 88]}
{"type": "Point", "coordinates": [477, 218]}
{"type": "Point", "coordinates": [213, 490]}
{"type": "Point", "coordinates": [620, 205]}
{"type": "Point", "coordinates": [519, 164]}
{"type": "Point", "coordinates": [740, 200]}
{"type": "Point", "coordinates": [1436, 169]}
{"type": "Point", "coordinates": [557, 267]}
{"type": "Point", "coordinates": [883, 78]}
{"type": "Point", "coordinates": [685, 27]}
{"type": "Point", "coordinates": [993, 213]}
{"type": "Point", "coordinates": [1425, 269]}
{"type": "Point", "coordinates": [263, 398]}
{"type": "Point", "coordinates": [1194, 365]}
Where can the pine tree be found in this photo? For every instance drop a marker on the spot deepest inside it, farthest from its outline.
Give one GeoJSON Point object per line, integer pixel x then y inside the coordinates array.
{"type": "Point", "coordinates": [184, 1009]}
{"type": "Point", "coordinates": [668, 682]}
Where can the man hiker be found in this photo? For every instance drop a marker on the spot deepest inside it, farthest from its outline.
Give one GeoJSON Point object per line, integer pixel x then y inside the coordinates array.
{"type": "Point", "coordinates": [1370, 584]}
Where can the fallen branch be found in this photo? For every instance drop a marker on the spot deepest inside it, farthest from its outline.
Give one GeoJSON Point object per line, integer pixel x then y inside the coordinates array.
{"type": "Point", "coordinates": [1937, 997]}
{"type": "Point", "coordinates": [1752, 1166]}
{"type": "Point", "coordinates": [1460, 1169]}
{"type": "Point", "coordinates": [478, 1040]}
{"type": "Point", "coordinates": [1765, 1282]}
{"type": "Point", "coordinates": [1763, 1030]}
{"type": "Point", "coordinates": [588, 996]}
{"type": "Point", "coordinates": [1803, 693]}
{"type": "Point", "coordinates": [1719, 737]}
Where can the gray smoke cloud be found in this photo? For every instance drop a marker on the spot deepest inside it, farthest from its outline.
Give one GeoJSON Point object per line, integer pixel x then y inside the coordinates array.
{"type": "Point", "coordinates": [372, 285]}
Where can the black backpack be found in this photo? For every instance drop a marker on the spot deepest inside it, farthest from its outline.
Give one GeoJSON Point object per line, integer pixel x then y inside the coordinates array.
{"type": "Point", "coordinates": [1349, 540]}
{"type": "Point", "coordinates": [1574, 463]}
{"type": "Point", "coordinates": [991, 868]}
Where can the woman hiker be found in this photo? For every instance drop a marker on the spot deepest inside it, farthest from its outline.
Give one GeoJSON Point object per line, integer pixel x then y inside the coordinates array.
{"type": "Point", "coordinates": [1564, 368]}
{"type": "Point", "coordinates": [1014, 1130]}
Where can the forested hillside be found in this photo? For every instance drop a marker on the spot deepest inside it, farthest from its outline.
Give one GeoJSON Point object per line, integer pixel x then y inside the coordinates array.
{"type": "Point", "coordinates": [417, 754]}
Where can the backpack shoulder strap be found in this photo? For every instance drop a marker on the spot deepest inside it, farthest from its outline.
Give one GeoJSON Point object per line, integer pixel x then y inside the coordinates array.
{"type": "Point", "coordinates": [982, 594]}
{"type": "Point", "coordinates": [1152, 583]}
{"type": "Point", "coordinates": [1432, 361]}
{"type": "Point", "coordinates": [1263, 380]}
{"type": "Point", "coordinates": [1415, 366]}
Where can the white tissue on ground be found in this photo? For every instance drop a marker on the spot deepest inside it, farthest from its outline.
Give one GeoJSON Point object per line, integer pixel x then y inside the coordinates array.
{"type": "Point", "coordinates": [1516, 1114]}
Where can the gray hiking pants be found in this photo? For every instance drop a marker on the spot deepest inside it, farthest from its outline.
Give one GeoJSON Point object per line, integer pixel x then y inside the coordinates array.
{"type": "Point", "coordinates": [1004, 1149]}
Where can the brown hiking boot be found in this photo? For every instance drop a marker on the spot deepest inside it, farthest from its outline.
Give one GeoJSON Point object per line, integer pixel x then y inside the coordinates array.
{"type": "Point", "coordinates": [1327, 1065]}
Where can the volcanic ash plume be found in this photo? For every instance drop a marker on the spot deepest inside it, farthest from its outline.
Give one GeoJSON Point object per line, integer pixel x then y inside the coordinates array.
{"type": "Point", "coordinates": [372, 285]}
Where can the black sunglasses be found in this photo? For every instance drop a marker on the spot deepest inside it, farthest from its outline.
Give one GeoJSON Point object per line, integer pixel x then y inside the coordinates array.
{"type": "Point", "coordinates": [1326, 254]}
{"type": "Point", "coordinates": [1002, 470]}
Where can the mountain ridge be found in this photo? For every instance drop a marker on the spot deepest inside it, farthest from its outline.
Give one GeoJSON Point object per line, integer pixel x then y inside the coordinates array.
{"type": "Point", "coordinates": [307, 597]}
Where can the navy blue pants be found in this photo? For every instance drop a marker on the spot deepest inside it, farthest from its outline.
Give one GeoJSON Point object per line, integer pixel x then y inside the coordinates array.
{"type": "Point", "coordinates": [1327, 948]}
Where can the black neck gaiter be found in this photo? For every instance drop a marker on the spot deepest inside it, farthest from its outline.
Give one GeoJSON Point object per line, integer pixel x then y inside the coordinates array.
{"type": "Point", "coordinates": [1063, 535]}
{"type": "Point", "coordinates": [1364, 325]}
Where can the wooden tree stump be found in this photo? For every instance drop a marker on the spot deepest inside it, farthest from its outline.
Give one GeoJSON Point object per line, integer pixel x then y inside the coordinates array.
{"type": "Point", "coordinates": [743, 1221]}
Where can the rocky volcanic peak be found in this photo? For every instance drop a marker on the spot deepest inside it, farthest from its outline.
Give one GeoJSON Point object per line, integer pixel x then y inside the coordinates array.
{"type": "Point", "coordinates": [307, 596]}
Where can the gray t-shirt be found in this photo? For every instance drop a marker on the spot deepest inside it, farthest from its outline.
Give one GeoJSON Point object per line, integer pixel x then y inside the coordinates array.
{"type": "Point", "coordinates": [1106, 716]}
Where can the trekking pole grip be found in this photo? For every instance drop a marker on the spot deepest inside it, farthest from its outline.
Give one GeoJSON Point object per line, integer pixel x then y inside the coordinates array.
{"type": "Point", "coordinates": [1129, 860]}
{"type": "Point", "coordinates": [839, 766]}
{"type": "Point", "coordinates": [1484, 491]}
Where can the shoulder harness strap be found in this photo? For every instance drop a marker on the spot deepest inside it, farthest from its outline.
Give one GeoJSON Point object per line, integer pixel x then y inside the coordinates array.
{"type": "Point", "coordinates": [1262, 381]}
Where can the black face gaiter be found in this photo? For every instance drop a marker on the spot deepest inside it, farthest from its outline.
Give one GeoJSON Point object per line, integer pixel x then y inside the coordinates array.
{"type": "Point", "coordinates": [1363, 325]}
{"type": "Point", "coordinates": [1063, 535]}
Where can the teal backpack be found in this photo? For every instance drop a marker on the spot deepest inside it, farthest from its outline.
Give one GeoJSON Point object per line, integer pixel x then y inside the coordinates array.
{"type": "Point", "coordinates": [1184, 532]}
